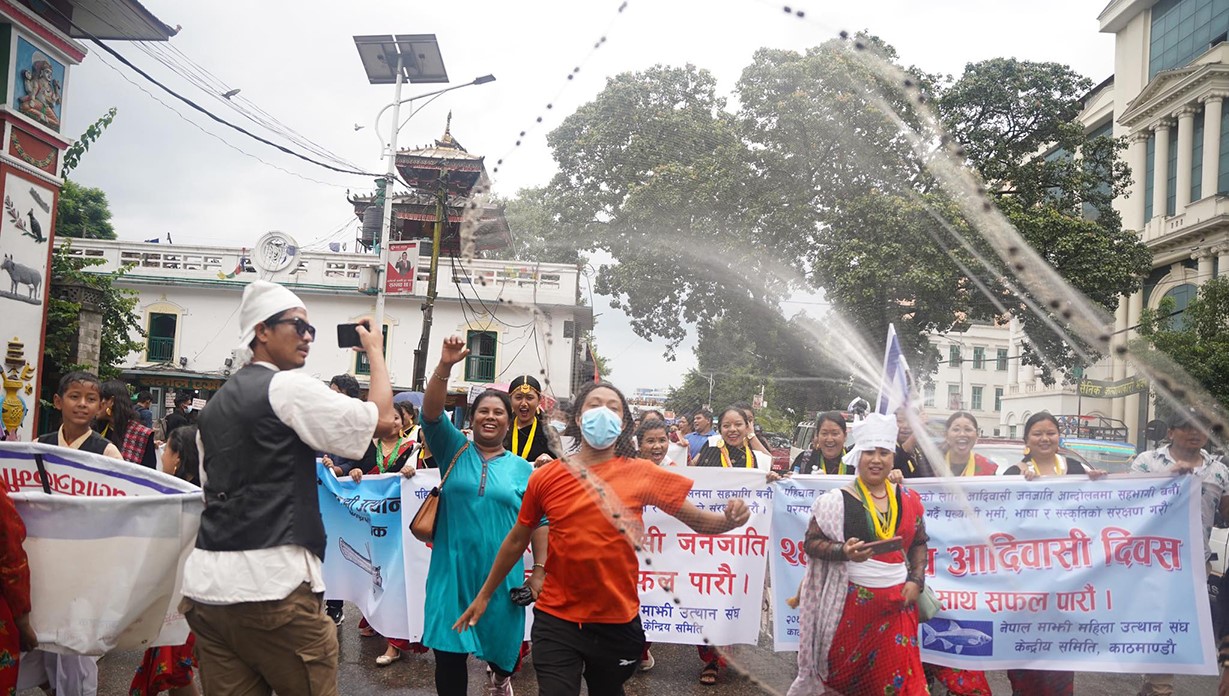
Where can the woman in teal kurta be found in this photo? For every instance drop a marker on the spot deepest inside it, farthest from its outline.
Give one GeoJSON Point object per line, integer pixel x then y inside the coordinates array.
{"type": "Point", "coordinates": [478, 505]}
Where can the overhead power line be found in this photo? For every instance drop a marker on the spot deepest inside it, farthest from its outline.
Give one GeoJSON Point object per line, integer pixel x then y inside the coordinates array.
{"type": "Point", "coordinates": [120, 57]}
{"type": "Point", "coordinates": [115, 54]}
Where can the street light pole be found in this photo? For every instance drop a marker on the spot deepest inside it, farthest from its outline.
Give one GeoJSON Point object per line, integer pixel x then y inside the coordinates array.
{"type": "Point", "coordinates": [386, 219]}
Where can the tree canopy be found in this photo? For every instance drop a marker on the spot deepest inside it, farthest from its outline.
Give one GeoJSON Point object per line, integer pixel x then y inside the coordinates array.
{"type": "Point", "coordinates": [819, 179]}
{"type": "Point", "coordinates": [1198, 343]}
{"type": "Point", "coordinates": [83, 213]}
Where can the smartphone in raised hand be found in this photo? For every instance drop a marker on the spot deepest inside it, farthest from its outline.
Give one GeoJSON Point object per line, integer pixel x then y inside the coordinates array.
{"type": "Point", "coordinates": [347, 336]}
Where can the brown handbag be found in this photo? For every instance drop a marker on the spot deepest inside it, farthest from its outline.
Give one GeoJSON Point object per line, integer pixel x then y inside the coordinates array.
{"type": "Point", "coordinates": [423, 524]}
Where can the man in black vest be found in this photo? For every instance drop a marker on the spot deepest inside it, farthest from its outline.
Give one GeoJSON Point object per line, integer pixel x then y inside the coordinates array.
{"type": "Point", "coordinates": [253, 585]}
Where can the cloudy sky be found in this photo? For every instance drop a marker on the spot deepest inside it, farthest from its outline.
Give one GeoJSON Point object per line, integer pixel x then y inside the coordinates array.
{"type": "Point", "coordinates": [170, 170]}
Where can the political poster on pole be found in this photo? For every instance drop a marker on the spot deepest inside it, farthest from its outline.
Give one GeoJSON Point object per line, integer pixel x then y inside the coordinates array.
{"type": "Point", "coordinates": [402, 268]}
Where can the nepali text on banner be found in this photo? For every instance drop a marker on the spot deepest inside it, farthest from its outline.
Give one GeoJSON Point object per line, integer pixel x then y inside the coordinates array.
{"type": "Point", "coordinates": [364, 562]}
{"type": "Point", "coordinates": [1060, 574]}
{"type": "Point", "coordinates": [718, 579]}
{"type": "Point", "coordinates": [132, 527]}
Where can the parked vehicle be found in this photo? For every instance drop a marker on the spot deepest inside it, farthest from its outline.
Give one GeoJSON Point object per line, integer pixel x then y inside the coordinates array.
{"type": "Point", "coordinates": [1006, 453]}
{"type": "Point", "coordinates": [779, 446]}
{"type": "Point", "coordinates": [1114, 457]}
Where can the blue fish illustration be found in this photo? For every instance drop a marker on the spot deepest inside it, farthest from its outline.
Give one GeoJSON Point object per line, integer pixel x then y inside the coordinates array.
{"type": "Point", "coordinates": [954, 636]}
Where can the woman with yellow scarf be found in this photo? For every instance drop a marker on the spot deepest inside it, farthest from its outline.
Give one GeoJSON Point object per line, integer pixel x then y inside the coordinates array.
{"type": "Point", "coordinates": [527, 437]}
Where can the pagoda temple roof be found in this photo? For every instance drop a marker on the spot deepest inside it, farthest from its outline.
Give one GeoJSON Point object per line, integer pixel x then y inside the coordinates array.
{"type": "Point", "coordinates": [491, 231]}
{"type": "Point", "coordinates": [420, 166]}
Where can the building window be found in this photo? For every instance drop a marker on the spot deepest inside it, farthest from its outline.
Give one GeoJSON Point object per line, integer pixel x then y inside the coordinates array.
{"type": "Point", "coordinates": [1011, 431]}
{"type": "Point", "coordinates": [953, 355]}
{"type": "Point", "coordinates": [1000, 360]}
{"type": "Point", "coordinates": [979, 358]}
{"type": "Point", "coordinates": [480, 365]}
{"type": "Point", "coordinates": [975, 404]}
{"type": "Point", "coordinates": [160, 346]}
{"type": "Point", "coordinates": [953, 397]}
{"type": "Point", "coordinates": [929, 394]}
{"type": "Point", "coordinates": [1182, 296]}
{"type": "Point", "coordinates": [1182, 30]}
{"type": "Point", "coordinates": [998, 400]}
{"type": "Point", "coordinates": [362, 366]}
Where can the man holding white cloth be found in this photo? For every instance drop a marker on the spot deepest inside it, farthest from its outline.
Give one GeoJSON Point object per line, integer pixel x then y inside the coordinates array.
{"type": "Point", "coordinates": [253, 585]}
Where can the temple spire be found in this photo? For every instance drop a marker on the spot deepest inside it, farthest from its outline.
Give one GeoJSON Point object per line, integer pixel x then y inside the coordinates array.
{"type": "Point", "coordinates": [447, 139]}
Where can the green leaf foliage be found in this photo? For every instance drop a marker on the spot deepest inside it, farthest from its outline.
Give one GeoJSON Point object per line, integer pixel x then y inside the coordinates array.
{"type": "Point", "coordinates": [818, 179]}
{"type": "Point", "coordinates": [120, 320]}
{"type": "Point", "coordinates": [83, 213]}
{"type": "Point", "coordinates": [72, 156]}
{"type": "Point", "coordinates": [1199, 344]}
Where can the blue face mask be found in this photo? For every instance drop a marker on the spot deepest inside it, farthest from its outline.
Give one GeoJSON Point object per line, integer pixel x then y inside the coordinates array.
{"type": "Point", "coordinates": [600, 427]}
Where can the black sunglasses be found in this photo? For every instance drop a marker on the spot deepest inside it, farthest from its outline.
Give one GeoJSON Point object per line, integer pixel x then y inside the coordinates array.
{"type": "Point", "coordinates": [301, 327]}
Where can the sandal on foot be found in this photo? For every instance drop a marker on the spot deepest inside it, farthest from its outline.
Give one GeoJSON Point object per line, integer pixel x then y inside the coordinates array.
{"type": "Point", "coordinates": [708, 675]}
{"type": "Point", "coordinates": [386, 659]}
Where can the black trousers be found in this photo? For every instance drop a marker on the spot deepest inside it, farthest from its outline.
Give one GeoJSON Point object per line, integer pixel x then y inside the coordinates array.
{"type": "Point", "coordinates": [606, 655]}
{"type": "Point", "coordinates": [452, 673]}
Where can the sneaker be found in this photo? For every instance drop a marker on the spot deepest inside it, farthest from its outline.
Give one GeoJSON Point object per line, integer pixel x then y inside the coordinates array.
{"type": "Point", "coordinates": [498, 686]}
{"type": "Point", "coordinates": [647, 663]}
{"type": "Point", "coordinates": [336, 613]}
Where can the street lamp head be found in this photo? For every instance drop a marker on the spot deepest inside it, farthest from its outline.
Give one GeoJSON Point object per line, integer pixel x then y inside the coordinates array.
{"type": "Point", "coordinates": [483, 80]}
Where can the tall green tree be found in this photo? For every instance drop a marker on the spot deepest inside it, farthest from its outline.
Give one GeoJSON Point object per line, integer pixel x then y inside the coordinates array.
{"type": "Point", "coordinates": [793, 360]}
{"type": "Point", "coordinates": [120, 322]}
{"type": "Point", "coordinates": [649, 172]}
{"type": "Point", "coordinates": [83, 213]}
{"type": "Point", "coordinates": [820, 180]}
{"type": "Point", "coordinates": [1198, 342]}
{"type": "Point", "coordinates": [537, 233]}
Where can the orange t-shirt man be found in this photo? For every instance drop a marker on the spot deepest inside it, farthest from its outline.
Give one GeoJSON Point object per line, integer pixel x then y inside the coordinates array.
{"type": "Point", "coordinates": [592, 572]}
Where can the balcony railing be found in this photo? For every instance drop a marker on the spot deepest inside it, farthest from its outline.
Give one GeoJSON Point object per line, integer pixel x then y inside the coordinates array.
{"type": "Point", "coordinates": [490, 280]}
{"type": "Point", "coordinates": [161, 349]}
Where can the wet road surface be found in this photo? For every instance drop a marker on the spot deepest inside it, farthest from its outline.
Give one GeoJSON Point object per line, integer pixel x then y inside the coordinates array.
{"type": "Point", "coordinates": [675, 674]}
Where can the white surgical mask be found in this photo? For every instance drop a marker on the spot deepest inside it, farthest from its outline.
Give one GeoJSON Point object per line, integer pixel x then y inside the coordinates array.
{"type": "Point", "coordinates": [600, 427]}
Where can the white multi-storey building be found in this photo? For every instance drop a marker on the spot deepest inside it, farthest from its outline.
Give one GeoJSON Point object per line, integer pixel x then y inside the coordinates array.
{"type": "Point", "coordinates": [1166, 97]}
{"type": "Point", "coordinates": [973, 374]}
{"type": "Point", "coordinates": [518, 318]}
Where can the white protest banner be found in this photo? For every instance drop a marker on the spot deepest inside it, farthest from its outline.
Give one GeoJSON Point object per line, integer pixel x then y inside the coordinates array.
{"type": "Point", "coordinates": [1060, 574]}
{"type": "Point", "coordinates": [130, 526]}
{"type": "Point", "coordinates": [719, 579]}
{"type": "Point", "coordinates": [418, 555]}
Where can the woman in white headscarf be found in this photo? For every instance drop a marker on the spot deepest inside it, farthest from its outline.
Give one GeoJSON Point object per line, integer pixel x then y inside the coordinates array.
{"type": "Point", "coordinates": [858, 617]}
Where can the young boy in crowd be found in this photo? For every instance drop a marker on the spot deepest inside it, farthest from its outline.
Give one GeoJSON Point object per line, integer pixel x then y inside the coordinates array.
{"type": "Point", "coordinates": [78, 399]}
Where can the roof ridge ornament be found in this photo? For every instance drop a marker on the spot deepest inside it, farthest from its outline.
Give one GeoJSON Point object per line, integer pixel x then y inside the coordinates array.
{"type": "Point", "coordinates": [447, 139]}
